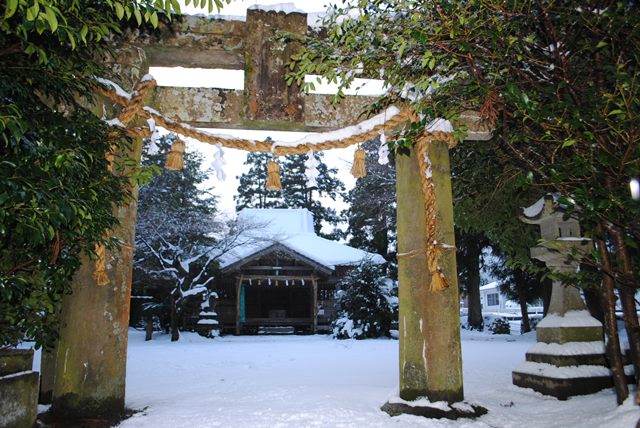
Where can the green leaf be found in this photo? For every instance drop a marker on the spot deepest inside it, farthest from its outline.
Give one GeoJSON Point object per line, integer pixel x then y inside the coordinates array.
{"type": "Point", "coordinates": [138, 15]}
{"type": "Point", "coordinates": [154, 19]}
{"type": "Point", "coordinates": [568, 143]}
{"type": "Point", "coordinates": [83, 33]}
{"type": "Point", "coordinates": [72, 39]}
{"type": "Point", "coordinates": [403, 46]}
{"type": "Point", "coordinates": [176, 6]}
{"type": "Point", "coordinates": [51, 18]}
{"type": "Point", "coordinates": [119, 10]}
{"type": "Point", "coordinates": [601, 44]}
{"type": "Point", "coordinates": [615, 112]}
{"type": "Point", "coordinates": [32, 12]}
{"type": "Point", "coordinates": [12, 5]}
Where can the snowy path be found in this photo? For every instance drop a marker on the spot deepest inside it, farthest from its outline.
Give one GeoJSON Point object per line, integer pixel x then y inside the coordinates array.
{"type": "Point", "coordinates": [313, 381]}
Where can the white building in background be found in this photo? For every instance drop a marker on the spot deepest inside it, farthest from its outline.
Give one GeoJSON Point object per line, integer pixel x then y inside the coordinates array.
{"type": "Point", "coordinates": [493, 301]}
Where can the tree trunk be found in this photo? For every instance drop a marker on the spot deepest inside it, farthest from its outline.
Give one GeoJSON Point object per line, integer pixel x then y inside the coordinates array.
{"type": "Point", "coordinates": [593, 299]}
{"type": "Point", "coordinates": [521, 287]}
{"type": "Point", "coordinates": [149, 328]}
{"type": "Point", "coordinates": [610, 325]}
{"type": "Point", "coordinates": [474, 251]}
{"type": "Point", "coordinates": [175, 333]}
{"type": "Point", "coordinates": [546, 295]}
{"type": "Point", "coordinates": [627, 298]}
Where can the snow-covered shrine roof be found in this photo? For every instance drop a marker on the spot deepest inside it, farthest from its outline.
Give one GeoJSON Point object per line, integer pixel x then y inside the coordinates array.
{"type": "Point", "coordinates": [293, 229]}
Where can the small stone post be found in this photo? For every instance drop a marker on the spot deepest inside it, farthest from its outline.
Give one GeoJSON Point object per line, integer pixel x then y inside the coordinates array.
{"type": "Point", "coordinates": [569, 358]}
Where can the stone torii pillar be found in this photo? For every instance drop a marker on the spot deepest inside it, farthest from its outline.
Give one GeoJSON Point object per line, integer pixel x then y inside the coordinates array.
{"type": "Point", "coordinates": [429, 321]}
{"type": "Point", "coordinates": [91, 352]}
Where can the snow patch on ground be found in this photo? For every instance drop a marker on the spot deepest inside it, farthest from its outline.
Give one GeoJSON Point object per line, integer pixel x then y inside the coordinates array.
{"type": "Point", "coordinates": [314, 381]}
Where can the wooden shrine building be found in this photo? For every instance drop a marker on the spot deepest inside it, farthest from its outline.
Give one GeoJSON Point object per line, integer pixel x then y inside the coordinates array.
{"type": "Point", "coordinates": [286, 276]}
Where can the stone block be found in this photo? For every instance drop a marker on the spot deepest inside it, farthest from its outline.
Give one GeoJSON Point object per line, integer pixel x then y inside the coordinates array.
{"type": "Point", "coordinates": [15, 361]}
{"type": "Point", "coordinates": [567, 360]}
{"type": "Point", "coordinates": [561, 388]}
{"type": "Point", "coordinates": [19, 400]}
{"type": "Point", "coordinates": [568, 334]}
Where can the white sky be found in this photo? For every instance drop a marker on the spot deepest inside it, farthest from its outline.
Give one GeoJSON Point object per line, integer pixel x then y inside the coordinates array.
{"type": "Point", "coordinates": [239, 7]}
{"type": "Point", "coordinates": [234, 79]}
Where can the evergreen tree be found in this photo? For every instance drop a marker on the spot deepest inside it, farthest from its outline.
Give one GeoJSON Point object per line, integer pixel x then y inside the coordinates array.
{"type": "Point", "coordinates": [372, 208]}
{"type": "Point", "coordinates": [469, 261]}
{"type": "Point", "coordinates": [295, 192]}
{"type": "Point", "coordinates": [57, 194]}
{"type": "Point", "coordinates": [367, 303]}
{"type": "Point", "coordinates": [251, 190]}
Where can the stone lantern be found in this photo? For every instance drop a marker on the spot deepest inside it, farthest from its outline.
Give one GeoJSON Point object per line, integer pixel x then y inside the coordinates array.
{"type": "Point", "coordinates": [569, 356]}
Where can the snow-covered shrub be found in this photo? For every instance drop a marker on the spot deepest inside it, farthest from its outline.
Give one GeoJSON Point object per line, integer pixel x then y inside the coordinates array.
{"type": "Point", "coordinates": [367, 303]}
{"type": "Point", "coordinates": [500, 326]}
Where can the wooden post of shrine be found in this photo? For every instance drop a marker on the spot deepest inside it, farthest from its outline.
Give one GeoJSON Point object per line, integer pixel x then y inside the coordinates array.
{"type": "Point", "coordinates": [91, 352]}
{"type": "Point", "coordinates": [314, 303]}
{"type": "Point", "coordinates": [429, 321]}
{"type": "Point", "coordinates": [239, 303]}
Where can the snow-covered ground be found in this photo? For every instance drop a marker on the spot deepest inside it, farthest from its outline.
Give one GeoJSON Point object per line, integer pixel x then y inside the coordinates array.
{"type": "Point", "coordinates": [314, 381]}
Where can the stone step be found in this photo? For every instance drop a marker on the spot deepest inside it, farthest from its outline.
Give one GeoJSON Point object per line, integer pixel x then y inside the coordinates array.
{"type": "Point", "coordinates": [567, 381]}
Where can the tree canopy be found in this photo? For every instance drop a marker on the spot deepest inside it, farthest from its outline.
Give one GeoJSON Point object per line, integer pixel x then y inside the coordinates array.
{"type": "Point", "coordinates": [57, 191]}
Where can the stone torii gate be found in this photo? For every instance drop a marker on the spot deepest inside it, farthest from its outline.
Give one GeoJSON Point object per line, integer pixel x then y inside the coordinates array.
{"type": "Point", "coordinates": [87, 375]}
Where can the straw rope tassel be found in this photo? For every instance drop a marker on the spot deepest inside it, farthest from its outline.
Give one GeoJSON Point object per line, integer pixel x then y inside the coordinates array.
{"type": "Point", "coordinates": [359, 168]}
{"type": "Point", "coordinates": [434, 248]}
{"type": "Point", "coordinates": [100, 274]}
{"type": "Point", "coordinates": [273, 176]}
{"type": "Point", "coordinates": [175, 161]}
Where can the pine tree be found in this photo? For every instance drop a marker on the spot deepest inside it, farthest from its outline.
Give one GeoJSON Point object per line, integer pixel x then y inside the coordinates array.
{"type": "Point", "coordinates": [295, 191]}
{"type": "Point", "coordinates": [367, 303]}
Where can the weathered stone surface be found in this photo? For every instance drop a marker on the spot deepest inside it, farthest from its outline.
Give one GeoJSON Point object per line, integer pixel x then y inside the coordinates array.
{"type": "Point", "coordinates": [321, 114]}
{"type": "Point", "coordinates": [463, 410]}
{"type": "Point", "coordinates": [223, 108]}
{"type": "Point", "coordinates": [430, 356]}
{"type": "Point", "coordinates": [47, 376]}
{"type": "Point", "coordinates": [266, 56]}
{"type": "Point", "coordinates": [562, 388]}
{"type": "Point", "coordinates": [15, 360]}
{"type": "Point", "coordinates": [477, 130]}
{"type": "Point", "coordinates": [568, 360]}
{"type": "Point", "coordinates": [19, 400]}
{"type": "Point", "coordinates": [200, 107]}
{"type": "Point", "coordinates": [568, 334]}
{"type": "Point", "coordinates": [91, 352]}
{"type": "Point", "coordinates": [194, 41]}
